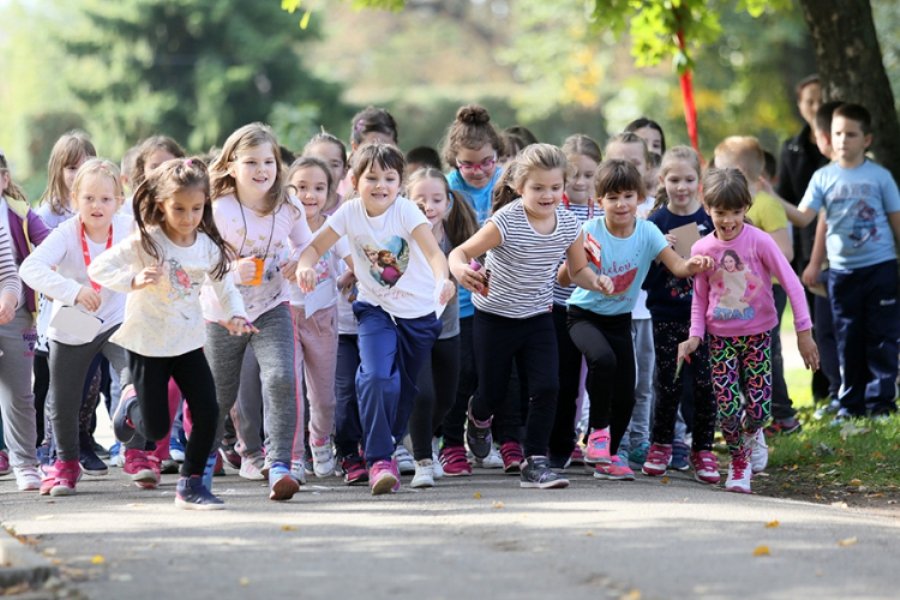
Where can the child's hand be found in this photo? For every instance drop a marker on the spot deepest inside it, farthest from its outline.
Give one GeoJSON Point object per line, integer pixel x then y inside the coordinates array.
{"type": "Point", "coordinates": [88, 298]}
{"type": "Point", "coordinates": [239, 326]}
{"type": "Point", "coordinates": [687, 347]}
{"type": "Point", "coordinates": [604, 285]}
{"type": "Point", "coordinates": [290, 270]}
{"type": "Point", "coordinates": [148, 276]}
{"type": "Point", "coordinates": [306, 278]}
{"type": "Point", "coordinates": [7, 308]}
{"type": "Point", "coordinates": [699, 264]}
{"type": "Point", "coordinates": [448, 288]}
{"type": "Point", "coordinates": [470, 279]}
{"type": "Point", "coordinates": [246, 269]}
{"type": "Point", "coordinates": [808, 349]}
{"type": "Point", "coordinates": [810, 275]}
{"type": "Point", "coordinates": [346, 281]}
{"type": "Point", "coordinates": [672, 239]}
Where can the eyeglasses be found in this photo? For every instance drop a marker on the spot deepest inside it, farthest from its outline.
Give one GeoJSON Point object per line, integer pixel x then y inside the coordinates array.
{"type": "Point", "coordinates": [484, 165]}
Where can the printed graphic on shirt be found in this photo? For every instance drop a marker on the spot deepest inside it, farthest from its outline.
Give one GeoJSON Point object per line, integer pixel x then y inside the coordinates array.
{"type": "Point", "coordinates": [622, 275]}
{"type": "Point", "coordinates": [387, 259]}
{"type": "Point", "coordinates": [732, 287]}
{"type": "Point", "coordinates": [864, 226]}
{"type": "Point", "coordinates": [180, 284]}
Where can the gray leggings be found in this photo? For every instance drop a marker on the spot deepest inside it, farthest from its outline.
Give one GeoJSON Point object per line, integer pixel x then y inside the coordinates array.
{"type": "Point", "coordinates": [68, 369]}
{"type": "Point", "coordinates": [274, 349]}
{"type": "Point", "coordinates": [17, 339]}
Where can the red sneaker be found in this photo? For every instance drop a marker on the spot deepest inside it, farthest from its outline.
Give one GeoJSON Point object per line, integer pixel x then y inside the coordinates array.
{"type": "Point", "coordinates": [61, 478]}
{"type": "Point", "coordinates": [143, 467]}
{"type": "Point", "coordinates": [511, 452]}
{"type": "Point", "coordinates": [454, 461]}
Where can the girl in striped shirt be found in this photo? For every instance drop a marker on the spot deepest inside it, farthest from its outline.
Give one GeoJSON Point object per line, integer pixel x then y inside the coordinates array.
{"type": "Point", "coordinates": [524, 240]}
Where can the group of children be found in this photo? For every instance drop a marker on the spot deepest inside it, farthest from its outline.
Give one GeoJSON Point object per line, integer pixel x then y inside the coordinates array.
{"type": "Point", "coordinates": [303, 319]}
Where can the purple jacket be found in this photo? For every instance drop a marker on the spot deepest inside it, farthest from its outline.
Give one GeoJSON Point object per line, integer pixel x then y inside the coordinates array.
{"type": "Point", "coordinates": [25, 234]}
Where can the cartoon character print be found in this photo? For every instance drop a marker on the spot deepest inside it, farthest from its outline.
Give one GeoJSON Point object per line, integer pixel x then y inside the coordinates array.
{"type": "Point", "coordinates": [180, 284]}
{"type": "Point", "coordinates": [387, 261]}
{"type": "Point", "coordinates": [864, 228]}
{"type": "Point", "coordinates": [733, 286]}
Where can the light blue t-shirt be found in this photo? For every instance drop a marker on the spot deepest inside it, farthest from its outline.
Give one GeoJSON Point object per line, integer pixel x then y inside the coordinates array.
{"type": "Point", "coordinates": [625, 261]}
{"type": "Point", "coordinates": [857, 202]}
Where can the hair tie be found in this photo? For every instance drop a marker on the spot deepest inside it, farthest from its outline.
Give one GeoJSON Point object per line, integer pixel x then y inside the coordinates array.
{"type": "Point", "coordinates": [189, 162]}
{"type": "Point", "coordinates": [360, 125]}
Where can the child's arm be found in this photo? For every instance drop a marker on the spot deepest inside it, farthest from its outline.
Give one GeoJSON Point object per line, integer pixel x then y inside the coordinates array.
{"type": "Point", "coordinates": [684, 267]}
{"type": "Point", "coordinates": [894, 220]}
{"type": "Point", "coordinates": [576, 270]}
{"type": "Point", "coordinates": [484, 239]}
{"type": "Point", "coordinates": [119, 268]}
{"type": "Point", "coordinates": [39, 271]}
{"type": "Point", "coordinates": [425, 239]}
{"type": "Point", "coordinates": [306, 274]}
{"type": "Point", "coordinates": [783, 240]}
{"type": "Point", "coordinates": [810, 275]}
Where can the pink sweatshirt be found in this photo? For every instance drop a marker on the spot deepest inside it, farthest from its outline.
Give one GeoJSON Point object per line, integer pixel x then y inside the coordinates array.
{"type": "Point", "coordinates": [735, 297]}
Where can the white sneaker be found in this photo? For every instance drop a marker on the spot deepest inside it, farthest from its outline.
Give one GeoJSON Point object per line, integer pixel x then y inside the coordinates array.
{"type": "Point", "coordinates": [739, 474]}
{"type": "Point", "coordinates": [297, 471]}
{"type": "Point", "coordinates": [252, 467]}
{"type": "Point", "coordinates": [27, 479]}
{"type": "Point", "coordinates": [435, 461]}
{"type": "Point", "coordinates": [323, 457]}
{"type": "Point", "coordinates": [424, 476]}
{"type": "Point", "coordinates": [759, 451]}
{"type": "Point", "coordinates": [492, 461]}
{"type": "Point", "coordinates": [405, 462]}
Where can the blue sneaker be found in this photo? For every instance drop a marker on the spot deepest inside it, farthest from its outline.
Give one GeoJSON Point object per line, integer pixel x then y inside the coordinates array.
{"type": "Point", "coordinates": [117, 455]}
{"type": "Point", "coordinates": [191, 494]}
{"type": "Point", "coordinates": [681, 456]}
{"type": "Point", "coordinates": [176, 449]}
{"type": "Point", "coordinates": [122, 425]}
{"type": "Point", "coordinates": [282, 485]}
{"type": "Point", "coordinates": [638, 455]}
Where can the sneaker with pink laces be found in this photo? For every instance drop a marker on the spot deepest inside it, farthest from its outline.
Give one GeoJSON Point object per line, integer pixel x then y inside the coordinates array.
{"type": "Point", "coordinates": [511, 452]}
{"type": "Point", "coordinates": [454, 461]}
{"type": "Point", "coordinates": [4, 463]}
{"type": "Point", "coordinates": [142, 467]}
{"type": "Point", "coordinates": [658, 457]}
{"type": "Point", "coordinates": [384, 477]}
{"type": "Point", "coordinates": [598, 447]}
{"type": "Point", "coordinates": [616, 470]}
{"type": "Point", "coordinates": [61, 478]}
{"type": "Point", "coordinates": [739, 473]}
{"type": "Point", "coordinates": [706, 466]}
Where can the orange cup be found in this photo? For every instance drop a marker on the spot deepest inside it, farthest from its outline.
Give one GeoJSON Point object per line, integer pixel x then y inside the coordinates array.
{"type": "Point", "coordinates": [260, 265]}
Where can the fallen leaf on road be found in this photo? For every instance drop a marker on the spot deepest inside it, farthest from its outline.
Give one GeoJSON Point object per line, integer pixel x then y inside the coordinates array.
{"type": "Point", "coordinates": [97, 559]}
{"type": "Point", "coordinates": [477, 495]}
{"type": "Point", "coordinates": [289, 528]}
{"type": "Point", "coordinates": [855, 482]}
{"type": "Point", "coordinates": [498, 504]}
{"type": "Point", "coordinates": [772, 524]}
{"type": "Point", "coordinates": [663, 481]}
{"type": "Point", "coordinates": [589, 534]}
{"type": "Point", "coordinates": [761, 551]}
{"type": "Point", "coordinates": [632, 595]}
{"type": "Point", "coordinates": [244, 581]}
{"type": "Point", "coordinates": [850, 541]}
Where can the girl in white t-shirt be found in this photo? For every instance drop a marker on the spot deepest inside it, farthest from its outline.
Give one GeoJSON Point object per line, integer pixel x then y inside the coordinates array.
{"type": "Point", "coordinates": [257, 216]}
{"type": "Point", "coordinates": [403, 278]}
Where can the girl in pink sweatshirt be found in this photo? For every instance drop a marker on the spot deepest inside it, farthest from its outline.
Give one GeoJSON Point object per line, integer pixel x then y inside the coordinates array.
{"type": "Point", "coordinates": [733, 305]}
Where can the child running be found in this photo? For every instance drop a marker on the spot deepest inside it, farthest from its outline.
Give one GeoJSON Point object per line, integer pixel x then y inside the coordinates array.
{"type": "Point", "coordinates": [600, 325]}
{"type": "Point", "coordinates": [669, 301]}
{"type": "Point", "coordinates": [402, 277]}
{"type": "Point", "coordinates": [734, 305]}
{"type": "Point", "coordinates": [524, 240]}
{"type": "Point", "coordinates": [176, 249]}
{"type": "Point", "coordinates": [58, 269]}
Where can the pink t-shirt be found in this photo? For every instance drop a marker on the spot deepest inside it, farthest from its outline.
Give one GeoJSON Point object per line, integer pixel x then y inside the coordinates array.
{"type": "Point", "coordinates": [735, 297]}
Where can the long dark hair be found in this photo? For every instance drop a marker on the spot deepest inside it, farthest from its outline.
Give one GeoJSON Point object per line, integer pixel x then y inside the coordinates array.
{"type": "Point", "coordinates": [171, 177]}
{"type": "Point", "coordinates": [460, 222]}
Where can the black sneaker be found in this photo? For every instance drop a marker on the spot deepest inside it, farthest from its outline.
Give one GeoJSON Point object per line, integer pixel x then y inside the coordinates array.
{"type": "Point", "coordinates": [536, 473]}
{"type": "Point", "coordinates": [91, 464]}
{"type": "Point", "coordinates": [123, 428]}
{"type": "Point", "coordinates": [191, 494]}
{"type": "Point", "coordinates": [478, 435]}
{"type": "Point", "coordinates": [167, 466]}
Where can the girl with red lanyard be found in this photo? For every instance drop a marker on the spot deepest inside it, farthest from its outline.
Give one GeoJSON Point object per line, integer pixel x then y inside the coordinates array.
{"type": "Point", "coordinates": [582, 153]}
{"type": "Point", "coordinates": [84, 315]}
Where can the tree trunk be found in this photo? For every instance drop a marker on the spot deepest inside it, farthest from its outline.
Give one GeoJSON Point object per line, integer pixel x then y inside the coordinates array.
{"type": "Point", "coordinates": [851, 69]}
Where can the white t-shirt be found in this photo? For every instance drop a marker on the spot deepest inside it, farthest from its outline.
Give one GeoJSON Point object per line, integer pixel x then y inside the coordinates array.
{"type": "Point", "coordinates": [391, 269]}
{"type": "Point", "coordinates": [327, 271]}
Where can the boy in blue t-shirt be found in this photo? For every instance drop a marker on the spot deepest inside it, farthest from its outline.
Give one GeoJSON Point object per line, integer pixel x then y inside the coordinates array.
{"type": "Point", "coordinates": [862, 212]}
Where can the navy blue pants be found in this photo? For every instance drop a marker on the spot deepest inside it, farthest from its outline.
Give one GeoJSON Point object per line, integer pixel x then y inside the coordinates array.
{"type": "Point", "coordinates": [866, 325]}
{"type": "Point", "coordinates": [391, 353]}
{"type": "Point", "coordinates": [347, 428]}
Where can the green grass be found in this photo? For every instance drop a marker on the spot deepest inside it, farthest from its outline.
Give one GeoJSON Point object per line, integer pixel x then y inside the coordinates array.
{"type": "Point", "coordinates": [797, 379]}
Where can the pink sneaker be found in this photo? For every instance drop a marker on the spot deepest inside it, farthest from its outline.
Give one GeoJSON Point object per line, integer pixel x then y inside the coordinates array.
{"type": "Point", "coordinates": [454, 461]}
{"type": "Point", "coordinates": [706, 467]}
{"type": "Point", "coordinates": [658, 457]}
{"type": "Point", "coordinates": [511, 452]}
{"type": "Point", "coordinates": [61, 478]}
{"type": "Point", "coordinates": [739, 473]}
{"type": "Point", "coordinates": [598, 447]}
{"type": "Point", "coordinates": [384, 477]}
{"type": "Point", "coordinates": [4, 463]}
{"type": "Point", "coordinates": [616, 470]}
{"type": "Point", "coordinates": [143, 467]}
{"type": "Point", "coordinates": [577, 457]}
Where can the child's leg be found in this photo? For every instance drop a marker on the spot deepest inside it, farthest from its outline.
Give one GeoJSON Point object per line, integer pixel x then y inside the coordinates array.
{"type": "Point", "coordinates": [274, 348]}
{"type": "Point", "coordinates": [248, 409]}
{"type": "Point", "coordinates": [423, 408]}
{"type": "Point", "coordinates": [847, 294]}
{"type": "Point", "coordinates": [782, 405]}
{"type": "Point", "coordinates": [17, 340]}
{"type": "Point", "coordinates": [725, 374]}
{"type": "Point", "coordinates": [704, 417]}
{"type": "Point", "coordinates": [645, 359]}
{"type": "Point", "coordinates": [225, 356]}
{"type": "Point", "coordinates": [882, 331]}
{"type": "Point", "coordinates": [41, 368]}
{"type": "Point", "coordinates": [666, 337]}
{"type": "Point", "coordinates": [601, 364]}
{"type": "Point", "coordinates": [823, 330]}
{"type": "Point", "coordinates": [539, 357]}
{"type": "Point", "coordinates": [194, 377]}
{"type": "Point", "coordinates": [348, 431]}
{"type": "Point", "coordinates": [496, 341]}
{"type": "Point", "coordinates": [318, 335]}
{"type": "Point", "coordinates": [562, 436]}
{"type": "Point", "coordinates": [445, 359]}
{"type": "Point", "coordinates": [452, 428]}
{"type": "Point", "coordinates": [415, 341]}
{"type": "Point", "coordinates": [377, 380]}
{"type": "Point", "coordinates": [756, 377]}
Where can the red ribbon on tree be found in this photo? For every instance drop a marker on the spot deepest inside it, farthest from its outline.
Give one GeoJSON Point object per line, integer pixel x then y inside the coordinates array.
{"type": "Point", "coordinates": [687, 98]}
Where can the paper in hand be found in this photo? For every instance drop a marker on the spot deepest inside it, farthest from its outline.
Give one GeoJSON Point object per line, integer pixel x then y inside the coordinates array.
{"type": "Point", "coordinates": [76, 324]}
{"type": "Point", "coordinates": [685, 235]}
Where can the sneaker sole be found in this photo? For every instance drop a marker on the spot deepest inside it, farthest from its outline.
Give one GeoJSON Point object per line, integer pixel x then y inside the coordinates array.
{"type": "Point", "coordinates": [737, 489]}
{"type": "Point", "coordinates": [284, 489]}
{"type": "Point", "coordinates": [363, 480]}
{"type": "Point", "coordinates": [191, 506]}
{"type": "Point", "coordinates": [597, 461]}
{"type": "Point", "coordinates": [613, 477]}
{"type": "Point", "coordinates": [459, 474]}
{"type": "Point", "coordinates": [651, 472]}
{"type": "Point", "coordinates": [253, 477]}
{"type": "Point", "coordinates": [425, 483]}
{"type": "Point", "coordinates": [558, 484]}
{"type": "Point", "coordinates": [707, 480]}
{"type": "Point", "coordinates": [680, 468]}
{"type": "Point", "coordinates": [95, 472]}
{"type": "Point", "coordinates": [384, 485]}
{"type": "Point", "coordinates": [59, 490]}
{"type": "Point", "coordinates": [115, 417]}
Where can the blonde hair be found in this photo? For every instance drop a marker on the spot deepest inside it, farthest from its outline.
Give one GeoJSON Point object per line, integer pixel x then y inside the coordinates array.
{"type": "Point", "coordinates": [743, 152]}
{"type": "Point", "coordinates": [99, 166]}
{"type": "Point", "coordinates": [544, 157]}
{"type": "Point", "coordinates": [69, 150]}
{"type": "Point", "coordinates": [248, 136]}
{"type": "Point", "coordinates": [12, 189]}
{"type": "Point", "coordinates": [674, 155]}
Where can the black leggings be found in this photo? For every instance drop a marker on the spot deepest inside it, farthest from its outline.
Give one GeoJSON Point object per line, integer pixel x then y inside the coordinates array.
{"type": "Point", "coordinates": [562, 439]}
{"type": "Point", "coordinates": [437, 391]}
{"type": "Point", "coordinates": [606, 343]}
{"type": "Point", "coordinates": [191, 372]}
